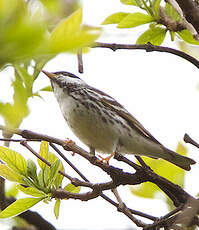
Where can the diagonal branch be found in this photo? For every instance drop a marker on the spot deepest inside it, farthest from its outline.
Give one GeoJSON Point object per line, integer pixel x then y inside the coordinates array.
{"type": "Point", "coordinates": [190, 10]}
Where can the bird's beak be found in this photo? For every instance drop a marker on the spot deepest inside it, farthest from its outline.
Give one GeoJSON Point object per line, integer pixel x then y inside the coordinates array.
{"type": "Point", "coordinates": [48, 74]}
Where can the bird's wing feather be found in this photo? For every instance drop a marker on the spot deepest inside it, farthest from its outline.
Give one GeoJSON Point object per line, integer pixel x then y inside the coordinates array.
{"type": "Point", "coordinates": [115, 106]}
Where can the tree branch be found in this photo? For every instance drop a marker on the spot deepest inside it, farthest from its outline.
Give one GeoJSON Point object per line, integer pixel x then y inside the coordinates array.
{"type": "Point", "coordinates": [119, 177]}
{"type": "Point", "coordinates": [183, 21]}
{"type": "Point", "coordinates": [189, 140]}
{"type": "Point", "coordinates": [190, 10]}
{"type": "Point", "coordinates": [149, 48]}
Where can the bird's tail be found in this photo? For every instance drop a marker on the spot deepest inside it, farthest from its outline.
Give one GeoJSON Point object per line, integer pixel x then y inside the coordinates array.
{"type": "Point", "coordinates": [177, 159]}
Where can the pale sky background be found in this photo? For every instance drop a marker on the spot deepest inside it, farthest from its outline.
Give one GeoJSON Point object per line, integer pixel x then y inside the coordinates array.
{"type": "Point", "coordinates": [159, 89]}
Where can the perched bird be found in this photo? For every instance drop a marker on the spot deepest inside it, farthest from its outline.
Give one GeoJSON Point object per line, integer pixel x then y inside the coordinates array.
{"type": "Point", "coordinates": [103, 124]}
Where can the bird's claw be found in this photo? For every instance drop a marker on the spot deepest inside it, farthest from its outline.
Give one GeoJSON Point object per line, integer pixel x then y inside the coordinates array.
{"type": "Point", "coordinates": [106, 159]}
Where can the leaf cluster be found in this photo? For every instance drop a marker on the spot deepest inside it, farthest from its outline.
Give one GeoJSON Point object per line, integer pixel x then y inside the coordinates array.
{"type": "Point", "coordinates": [161, 19]}
{"type": "Point", "coordinates": [28, 42]}
{"type": "Point", "coordinates": [38, 183]}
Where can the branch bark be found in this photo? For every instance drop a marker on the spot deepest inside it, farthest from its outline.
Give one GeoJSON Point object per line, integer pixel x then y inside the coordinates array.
{"type": "Point", "coordinates": [190, 10]}
{"type": "Point", "coordinates": [149, 48]}
{"type": "Point", "coordinates": [142, 173]}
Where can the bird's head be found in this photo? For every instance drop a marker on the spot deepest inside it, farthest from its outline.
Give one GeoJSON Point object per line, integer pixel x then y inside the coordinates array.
{"type": "Point", "coordinates": [64, 79]}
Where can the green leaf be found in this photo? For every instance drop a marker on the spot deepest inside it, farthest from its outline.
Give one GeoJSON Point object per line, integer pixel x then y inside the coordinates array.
{"type": "Point", "coordinates": [10, 174]}
{"type": "Point", "coordinates": [14, 160]}
{"type": "Point", "coordinates": [172, 35]}
{"type": "Point", "coordinates": [114, 18]}
{"type": "Point", "coordinates": [145, 190]}
{"type": "Point", "coordinates": [129, 2]}
{"type": "Point", "coordinates": [31, 169]}
{"type": "Point", "coordinates": [155, 36]}
{"type": "Point", "coordinates": [12, 190]}
{"type": "Point", "coordinates": [69, 26]}
{"type": "Point", "coordinates": [19, 206]}
{"type": "Point", "coordinates": [46, 176]}
{"type": "Point", "coordinates": [31, 191]}
{"type": "Point", "coordinates": [56, 208]}
{"type": "Point", "coordinates": [43, 153]}
{"type": "Point", "coordinates": [52, 159]}
{"type": "Point", "coordinates": [72, 188]}
{"type": "Point", "coordinates": [26, 78]}
{"type": "Point", "coordinates": [187, 37]}
{"type": "Point", "coordinates": [162, 168]}
{"type": "Point", "coordinates": [47, 89]}
{"type": "Point", "coordinates": [54, 168]}
{"type": "Point", "coordinates": [171, 12]}
{"type": "Point", "coordinates": [70, 34]}
{"type": "Point", "coordinates": [17, 30]}
{"type": "Point", "coordinates": [14, 113]}
{"type": "Point", "coordinates": [41, 178]}
{"type": "Point", "coordinates": [156, 7]}
{"type": "Point", "coordinates": [135, 19]}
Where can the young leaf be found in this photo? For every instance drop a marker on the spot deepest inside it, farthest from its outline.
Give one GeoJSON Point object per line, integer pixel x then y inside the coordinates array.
{"type": "Point", "coordinates": [56, 208]}
{"type": "Point", "coordinates": [19, 206]}
{"type": "Point", "coordinates": [43, 153]}
{"type": "Point", "coordinates": [40, 178]}
{"type": "Point", "coordinates": [69, 26]}
{"type": "Point", "coordinates": [155, 36]}
{"type": "Point", "coordinates": [172, 35]}
{"type": "Point", "coordinates": [47, 89]}
{"type": "Point", "coordinates": [12, 191]}
{"type": "Point", "coordinates": [54, 168]}
{"type": "Point", "coordinates": [31, 169]}
{"type": "Point", "coordinates": [72, 188]}
{"type": "Point", "coordinates": [129, 2]}
{"type": "Point", "coordinates": [10, 174]}
{"type": "Point", "coordinates": [59, 177]}
{"type": "Point", "coordinates": [135, 19]}
{"type": "Point", "coordinates": [14, 160]}
{"type": "Point", "coordinates": [156, 7]}
{"type": "Point", "coordinates": [187, 37]}
{"type": "Point", "coordinates": [31, 191]}
{"type": "Point", "coordinates": [114, 18]}
{"type": "Point", "coordinates": [171, 12]}
{"type": "Point", "coordinates": [26, 78]}
{"type": "Point", "coordinates": [70, 34]}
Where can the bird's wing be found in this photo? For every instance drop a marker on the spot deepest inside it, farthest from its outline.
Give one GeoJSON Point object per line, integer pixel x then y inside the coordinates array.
{"type": "Point", "coordinates": [115, 106]}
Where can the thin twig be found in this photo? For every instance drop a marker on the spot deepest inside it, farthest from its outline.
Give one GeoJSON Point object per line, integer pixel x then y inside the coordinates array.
{"type": "Point", "coordinates": [189, 140]}
{"type": "Point", "coordinates": [68, 162]}
{"type": "Point", "coordinates": [122, 208]}
{"type": "Point", "coordinates": [24, 143]}
{"type": "Point", "coordinates": [149, 48]}
{"type": "Point", "coordinates": [141, 161]}
{"type": "Point", "coordinates": [176, 193]}
{"type": "Point", "coordinates": [17, 140]}
{"type": "Point", "coordinates": [80, 61]}
{"type": "Point", "coordinates": [102, 195]}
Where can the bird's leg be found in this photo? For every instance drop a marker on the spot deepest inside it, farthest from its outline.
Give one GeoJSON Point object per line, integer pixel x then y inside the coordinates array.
{"type": "Point", "coordinates": [92, 150]}
{"type": "Point", "coordinates": [106, 159]}
{"type": "Point", "coordinates": [69, 141]}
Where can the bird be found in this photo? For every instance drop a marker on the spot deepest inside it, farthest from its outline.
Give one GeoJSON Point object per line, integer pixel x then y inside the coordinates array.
{"type": "Point", "coordinates": [103, 124]}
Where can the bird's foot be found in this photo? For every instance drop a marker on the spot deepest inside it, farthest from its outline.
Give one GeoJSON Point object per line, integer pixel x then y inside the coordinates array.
{"type": "Point", "coordinates": [69, 141]}
{"type": "Point", "coordinates": [106, 159]}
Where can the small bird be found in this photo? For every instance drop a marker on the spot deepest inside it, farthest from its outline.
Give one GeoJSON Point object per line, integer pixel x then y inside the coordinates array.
{"type": "Point", "coordinates": [103, 124]}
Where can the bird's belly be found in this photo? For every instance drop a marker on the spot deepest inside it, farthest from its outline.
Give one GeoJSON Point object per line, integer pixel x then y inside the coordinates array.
{"type": "Point", "coordinates": [92, 129]}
